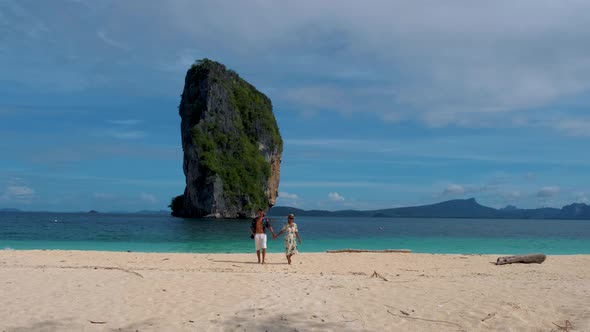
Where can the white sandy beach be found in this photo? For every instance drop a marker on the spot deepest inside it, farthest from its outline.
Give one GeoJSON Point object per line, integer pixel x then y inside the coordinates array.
{"type": "Point", "coordinates": [108, 291]}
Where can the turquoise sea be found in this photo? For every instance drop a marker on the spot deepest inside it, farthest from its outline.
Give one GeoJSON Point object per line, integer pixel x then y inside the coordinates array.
{"type": "Point", "coordinates": [162, 233]}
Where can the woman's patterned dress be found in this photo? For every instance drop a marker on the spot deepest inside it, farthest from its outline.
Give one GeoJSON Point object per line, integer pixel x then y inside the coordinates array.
{"type": "Point", "coordinates": [290, 239]}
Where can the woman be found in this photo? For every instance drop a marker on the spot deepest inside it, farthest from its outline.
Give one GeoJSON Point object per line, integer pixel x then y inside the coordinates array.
{"type": "Point", "coordinates": [290, 230]}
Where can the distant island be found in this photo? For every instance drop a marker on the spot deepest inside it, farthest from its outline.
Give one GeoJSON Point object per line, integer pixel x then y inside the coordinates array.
{"type": "Point", "coordinates": [166, 212]}
{"type": "Point", "coordinates": [10, 210]}
{"type": "Point", "coordinates": [457, 208]}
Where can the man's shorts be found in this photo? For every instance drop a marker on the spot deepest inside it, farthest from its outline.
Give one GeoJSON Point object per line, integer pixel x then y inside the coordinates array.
{"type": "Point", "coordinates": [260, 241]}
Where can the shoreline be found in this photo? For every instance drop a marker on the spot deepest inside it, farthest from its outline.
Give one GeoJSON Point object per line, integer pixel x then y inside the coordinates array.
{"type": "Point", "coordinates": [275, 251]}
{"type": "Point", "coordinates": [69, 290]}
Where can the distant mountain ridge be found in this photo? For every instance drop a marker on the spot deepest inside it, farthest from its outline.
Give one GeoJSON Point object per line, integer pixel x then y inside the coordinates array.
{"type": "Point", "coordinates": [456, 208]}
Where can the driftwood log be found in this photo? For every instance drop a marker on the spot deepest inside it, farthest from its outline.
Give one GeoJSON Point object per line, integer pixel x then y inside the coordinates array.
{"type": "Point", "coordinates": [363, 250]}
{"type": "Point", "coordinates": [532, 258]}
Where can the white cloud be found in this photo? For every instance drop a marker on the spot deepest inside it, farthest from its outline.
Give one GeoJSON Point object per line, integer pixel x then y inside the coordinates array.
{"type": "Point", "coordinates": [286, 195]}
{"type": "Point", "coordinates": [128, 181]}
{"type": "Point", "coordinates": [571, 127]}
{"type": "Point", "coordinates": [498, 189]}
{"type": "Point", "coordinates": [127, 122]}
{"type": "Point", "coordinates": [336, 197]}
{"type": "Point", "coordinates": [450, 148]}
{"type": "Point", "coordinates": [111, 42]}
{"type": "Point", "coordinates": [339, 184]}
{"type": "Point", "coordinates": [582, 197]}
{"type": "Point", "coordinates": [453, 189]}
{"type": "Point", "coordinates": [181, 61]}
{"type": "Point", "coordinates": [104, 196]}
{"type": "Point", "coordinates": [148, 198]}
{"type": "Point", "coordinates": [462, 63]}
{"type": "Point", "coordinates": [343, 100]}
{"type": "Point", "coordinates": [77, 151]}
{"type": "Point", "coordinates": [336, 143]}
{"type": "Point", "coordinates": [513, 194]}
{"type": "Point", "coordinates": [132, 134]}
{"type": "Point", "coordinates": [18, 193]}
{"type": "Point", "coordinates": [548, 192]}
{"type": "Point", "coordinates": [459, 63]}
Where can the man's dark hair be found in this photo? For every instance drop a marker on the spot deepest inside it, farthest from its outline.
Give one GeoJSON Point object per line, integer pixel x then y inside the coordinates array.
{"type": "Point", "coordinates": [260, 210]}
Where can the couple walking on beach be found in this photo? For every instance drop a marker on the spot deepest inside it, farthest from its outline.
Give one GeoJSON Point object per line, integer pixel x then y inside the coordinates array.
{"type": "Point", "coordinates": [258, 228]}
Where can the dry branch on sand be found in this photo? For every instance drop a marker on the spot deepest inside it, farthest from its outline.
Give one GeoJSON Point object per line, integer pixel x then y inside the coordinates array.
{"type": "Point", "coordinates": [566, 328]}
{"type": "Point", "coordinates": [375, 274]}
{"type": "Point", "coordinates": [361, 319]}
{"type": "Point", "coordinates": [426, 320]}
{"type": "Point", "coordinates": [488, 317]}
{"type": "Point", "coordinates": [531, 258]}
{"type": "Point", "coordinates": [116, 268]}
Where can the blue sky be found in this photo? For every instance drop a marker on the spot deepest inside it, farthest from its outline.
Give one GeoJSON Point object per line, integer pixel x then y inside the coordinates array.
{"type": "Point", "coordinates": [380, 104]}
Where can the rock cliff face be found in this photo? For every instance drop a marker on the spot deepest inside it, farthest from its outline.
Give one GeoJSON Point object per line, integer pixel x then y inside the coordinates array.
{"type": "Point", "coordinates": [232, 145]}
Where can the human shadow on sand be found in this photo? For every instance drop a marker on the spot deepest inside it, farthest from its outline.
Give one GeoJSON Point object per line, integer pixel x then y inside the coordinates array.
{"type": "Point", "coordinates": [137, 326]}
{"type": "Point", "coordinates": [245, 262]}
{"type": "Point", "coordinates": [258, 319]}
{"type": "Point", "coordinates": [70, 324]}
{"type": "Point", "coordinates": [47, 325]}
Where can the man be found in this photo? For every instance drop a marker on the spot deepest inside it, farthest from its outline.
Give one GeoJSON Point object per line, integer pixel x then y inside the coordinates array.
{"type": "Point", "coordinates": [258, 228]}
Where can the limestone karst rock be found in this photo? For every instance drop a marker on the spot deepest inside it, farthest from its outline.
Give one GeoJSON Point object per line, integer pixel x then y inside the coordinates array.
{"type": "Point", "coordinates": [232, 145]}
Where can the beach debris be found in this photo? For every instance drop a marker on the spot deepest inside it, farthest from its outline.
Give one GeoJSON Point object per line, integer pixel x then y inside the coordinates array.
{"type": "Point", "coordinates": [375, 274]}
{"type": "Point", "coordinates": [566, 328]}
{"type": "Point", "coordinates": [402, 311]}
{"type": "Point", "coordinates": [112, 268]}
{"type": "Point", "coordinates": [426, 320]}
{"type": "Point", "coordinates": [349, 319]}
{"type": "Point", "coordinates": [124, 270]}
{"type": "Point", "coordinates": [364, 250]}
{"type": "Point", "coordinates": [488, 317]}
{"type": "Point", "coordinates": [530, 258]}
{"type": "Point", "coordinates": [447, 301]}
{"type": "Point", "coordinates": [96, 322]}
